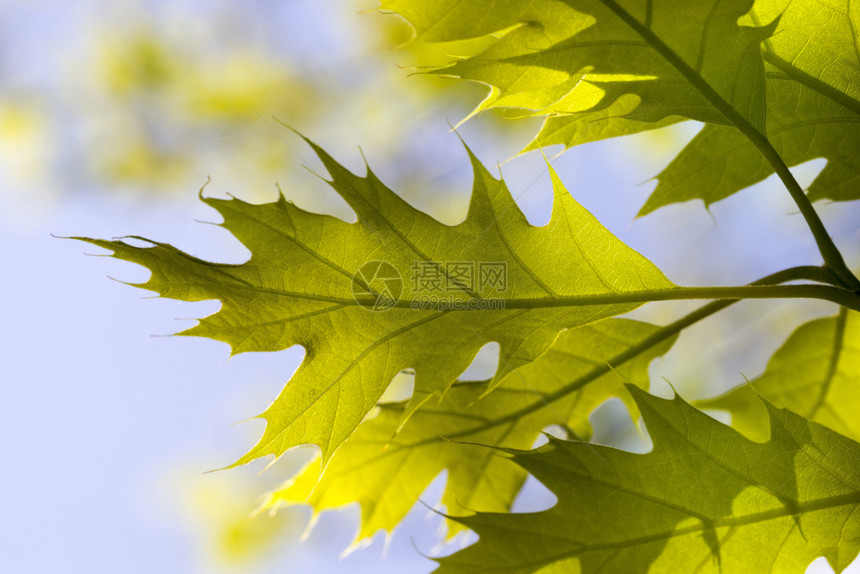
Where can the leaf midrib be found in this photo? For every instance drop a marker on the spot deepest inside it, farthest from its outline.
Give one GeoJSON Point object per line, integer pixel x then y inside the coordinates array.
{"type": "Point", "coordinates": [804, 291]}
{"type": "Point", "coordinates": [811, 82]}
{"type": "Point", "coordinates": [832, 367]}
{"type": "Point", "coordinates": [827, 293]}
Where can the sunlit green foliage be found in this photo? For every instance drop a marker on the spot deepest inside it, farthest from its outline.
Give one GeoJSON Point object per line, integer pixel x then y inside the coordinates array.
{"type": "Point", "coordinates": [598, 69]}
{"type": "Point", "coordinates": [314, 280]}
{"type": "Point", "coordinates": [705, 499]}
{"type": "Point", "coordinates": [386, 469]}
{"type": "Point", "coordinates": [775, 82]}
{"type": "Point", "coordinates": [815, 374]}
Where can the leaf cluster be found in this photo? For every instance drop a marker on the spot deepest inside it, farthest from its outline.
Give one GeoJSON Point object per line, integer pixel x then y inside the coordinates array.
{"type": "Point", "coordinates": [776, 83]}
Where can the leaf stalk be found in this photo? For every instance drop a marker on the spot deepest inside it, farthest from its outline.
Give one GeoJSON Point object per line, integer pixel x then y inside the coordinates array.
{"type": "Point", "coordinates": [838, 295]}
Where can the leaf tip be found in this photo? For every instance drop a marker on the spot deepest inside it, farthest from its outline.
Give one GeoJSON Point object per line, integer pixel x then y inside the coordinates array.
{"type": "Point", "coordinates": [203, 187]}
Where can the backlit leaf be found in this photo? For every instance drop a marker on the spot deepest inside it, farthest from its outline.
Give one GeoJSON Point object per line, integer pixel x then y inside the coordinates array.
{"type": "Point", "coordinates": [705, 499]}
{"type": "Point", "coordinates": [816, 374]}
{"type": "Point", "coordinates": [386, 473]}
{"type": "Point", "coordinates": [366, 298]}
{"type": "Point", "coordinates": [803, 124]}
{"type": "Point", "coordinates": [629, 65]}
{"type": "Point", "coordinates": [600, 68]}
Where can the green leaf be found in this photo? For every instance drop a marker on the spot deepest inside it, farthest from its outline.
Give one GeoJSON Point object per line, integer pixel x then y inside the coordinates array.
{"type": "Point", "coordinates": [347, 292]}
{"type": "Point", "coordinates": [720, 161]}
{"type": "Point", "coordinates": [803, 124]}
{"type": "Point", "coordinates": [705, 499]}
{"type": "Point", "coordinates": [816, 374]}
{"type": "Point", "coordinates": [815, 43]}
{"type": "Point", "coordinates": [600, 68]}
{"type": "Point", "coordinates": [813, 111]}
{"type": "Point", "coordinates": [386, 470]}
{"type": "Point", "coordinates": [636, 65]}
{"type": "Point", "coordinates": [593, 125]}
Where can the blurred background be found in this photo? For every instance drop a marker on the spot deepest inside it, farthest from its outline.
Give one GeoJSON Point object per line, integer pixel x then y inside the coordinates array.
{"type": "Point", "coordinates": [114, 114]}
